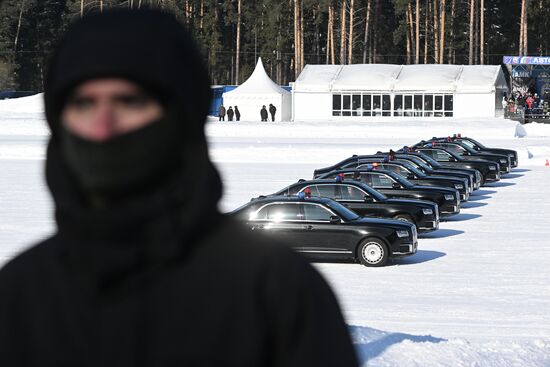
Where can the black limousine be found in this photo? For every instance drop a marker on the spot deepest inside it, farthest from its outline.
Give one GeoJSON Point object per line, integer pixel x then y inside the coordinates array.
{"type": "Point", "coordinates": [323, 229]}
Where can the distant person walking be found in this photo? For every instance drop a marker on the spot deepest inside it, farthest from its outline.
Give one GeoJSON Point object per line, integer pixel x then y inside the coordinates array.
{"type": "Point", "coordinates": [237, 114]}
{"type": "Point", "coordinates": [221, 113]}
{"type": "Point", "coordinates": [263, 113]}
{"type": "Point", "coordinates": [230, 113]}
{"type": "Point", "coordinates": [272, 110]}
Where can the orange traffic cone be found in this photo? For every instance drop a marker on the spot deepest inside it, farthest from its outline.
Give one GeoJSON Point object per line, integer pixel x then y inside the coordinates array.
{"type": "Point", "coordinates": [547, 164]}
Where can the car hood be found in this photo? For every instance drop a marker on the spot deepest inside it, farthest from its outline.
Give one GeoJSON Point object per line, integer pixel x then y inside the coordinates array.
{"type": "Point", "coordinates": [443, 190]}
{"type": "Point", "coordinates": [419, 203]}
{"type": "Point", "coordinates": [392, 223]}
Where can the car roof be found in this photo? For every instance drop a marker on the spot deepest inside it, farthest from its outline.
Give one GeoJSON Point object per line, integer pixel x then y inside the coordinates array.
{"type": "Point", "coordinates": [289, 199]}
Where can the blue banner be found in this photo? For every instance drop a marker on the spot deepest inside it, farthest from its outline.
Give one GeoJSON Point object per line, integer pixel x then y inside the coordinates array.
{"type": "Point", "coordinates": [526, 60]}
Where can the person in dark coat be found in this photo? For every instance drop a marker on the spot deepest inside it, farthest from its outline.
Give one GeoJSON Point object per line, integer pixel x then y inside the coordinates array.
{"type": "Point", "coordinates": [263, 113]}
{"type": "Point", "coordinates": [221, 113]}
{"type": "Point", "coordinates": [143, 270]}
{"type": "Point", "coordinates": [230, 113]}
{"type": "Point", "coordinates": [237, 114]}
{"type": "Point", "coordinates": [272, 110]}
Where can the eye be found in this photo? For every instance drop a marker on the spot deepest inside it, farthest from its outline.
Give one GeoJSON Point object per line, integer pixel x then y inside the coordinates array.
{"type": "Point", "coordinates": [135, 100]}
{"type": "Point", "coordinates": [80, 103]}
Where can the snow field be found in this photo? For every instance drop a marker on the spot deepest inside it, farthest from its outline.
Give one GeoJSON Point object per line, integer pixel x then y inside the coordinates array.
{"type": "Point", "coordinates": [476, 293]}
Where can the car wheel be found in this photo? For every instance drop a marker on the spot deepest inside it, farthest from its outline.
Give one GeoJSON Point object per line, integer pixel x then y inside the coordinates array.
{"type": "Point", "coordinates": [404, 218]}
{"type": "Point", "coordinates": [373, 252]}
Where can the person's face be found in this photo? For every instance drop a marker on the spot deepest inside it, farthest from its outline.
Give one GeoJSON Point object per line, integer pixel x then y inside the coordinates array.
{"type": "Point", "coordinates": [101, 109]}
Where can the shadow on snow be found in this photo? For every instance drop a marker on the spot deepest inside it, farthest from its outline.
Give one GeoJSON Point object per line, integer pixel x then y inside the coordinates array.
{"type": "Point", "coordinates": [482, 192]}
{"type": "Point", "coordinates": [370, 343]}
{"type": "Point", "coordinates": [421, 256]}
{"type": "Point", "coordinates": [516, 170]}
{"type": "Point", "coordinates": [500, 184]}
{"type": "Point", "coordinates": [511, 175]}
{"type": "Point", "coordinates": [461, 217]}
{"type": "Point", "coordinates": [469, 205]}
{"type": "Point", "coordinates": [477, 198]}
{"type": "Point", "coordinates": [441, 233]}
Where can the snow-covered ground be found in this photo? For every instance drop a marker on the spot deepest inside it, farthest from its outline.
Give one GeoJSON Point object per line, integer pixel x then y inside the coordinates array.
{"type": "Point", "coordinates": [476, 294]}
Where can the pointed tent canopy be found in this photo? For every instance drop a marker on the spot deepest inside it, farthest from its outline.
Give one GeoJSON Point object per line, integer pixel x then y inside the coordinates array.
{"type": "Point", "coordinates": [259, 90]}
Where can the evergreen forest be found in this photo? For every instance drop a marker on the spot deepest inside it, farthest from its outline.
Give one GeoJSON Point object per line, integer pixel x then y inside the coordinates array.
{"type": "Point", "coordinates": [289, 34]}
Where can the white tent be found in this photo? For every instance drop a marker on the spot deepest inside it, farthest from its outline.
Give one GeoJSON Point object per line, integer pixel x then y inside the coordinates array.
{"type": "Point", "coordinates": [257, 91]}
{"type": "Point", "coordinates": [337, 92]}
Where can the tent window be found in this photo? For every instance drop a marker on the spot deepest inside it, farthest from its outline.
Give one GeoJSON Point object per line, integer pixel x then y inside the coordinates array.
{"type": "Point", "coordinates": [398, 105]}
{"type": "Point", "coordinates": [356, 105]}
{"type": "Point", "coordinates": [428, 105]}
{"type": "Point", "coordinates": [345, 102]}
{"type": "Point", "coordinates": [418, 105]}
{"type": "Point", "coordinates": [336, 102]}
{"type": "Point", "coordinates": [367, 105]}
{"type": "Point", "coordinates": [386, 105]}
{"type": "Point", "coordinates": [336, 105]}
{"type": "Point", "coordinates": [449, 105]}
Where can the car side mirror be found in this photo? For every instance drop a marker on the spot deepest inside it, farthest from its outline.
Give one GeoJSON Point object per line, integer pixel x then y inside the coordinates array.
{"type": "Point", "coordinates": [334, 219]}
{"type": "Point", "coordinates": [410, 176]}
{"type": "Point", "coordinates": [367, 198]}
{"type": "Point", "coordinates": [395, 185]}
{"type": "Point", "coordinates": [451, 159]}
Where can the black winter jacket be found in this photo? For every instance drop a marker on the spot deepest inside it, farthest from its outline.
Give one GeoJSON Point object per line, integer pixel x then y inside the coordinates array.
{"type": "Point", "coordinates": [136, 297]}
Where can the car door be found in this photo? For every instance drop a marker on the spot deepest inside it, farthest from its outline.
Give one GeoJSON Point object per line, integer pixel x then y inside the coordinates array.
{"type": "Point", "coordinates": [359, 201]}
{"type": "Point", "coordinates": [282, 221]}
{"type": "Point", "coordinates": [324, 239]}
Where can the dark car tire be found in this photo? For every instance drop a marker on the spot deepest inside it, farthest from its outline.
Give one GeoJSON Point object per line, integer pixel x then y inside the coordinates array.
{"type": "Point", "coordinates": [405, 218]}
{"type": "Point", "coordinates": [373, 252]}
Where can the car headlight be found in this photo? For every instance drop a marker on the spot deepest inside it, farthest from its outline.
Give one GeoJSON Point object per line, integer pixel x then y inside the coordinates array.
{"type": "Point", "coordinates": [492, 168]}
{"type": "Point", "coordinates": [459, 186]}
{"type": "Point", "coordinates": [427, 211]}
{"type": "Point", "coordinates": [449, 197]}
{"type": "Point", "coordinates": [503, 161]}
{"type": "Point", "coordinates": [402, 234]}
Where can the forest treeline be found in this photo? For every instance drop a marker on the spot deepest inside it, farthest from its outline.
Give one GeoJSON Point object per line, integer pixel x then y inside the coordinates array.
{"type": "Point", "coordinates": [288, 34]}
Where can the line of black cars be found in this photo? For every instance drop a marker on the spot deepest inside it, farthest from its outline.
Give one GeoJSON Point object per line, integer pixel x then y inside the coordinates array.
{"type": "Point", "coordinates": [370, 208]}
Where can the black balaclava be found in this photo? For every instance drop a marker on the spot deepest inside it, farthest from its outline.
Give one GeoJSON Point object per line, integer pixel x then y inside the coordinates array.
{"type": "Point", "coordinates": [152, 49]}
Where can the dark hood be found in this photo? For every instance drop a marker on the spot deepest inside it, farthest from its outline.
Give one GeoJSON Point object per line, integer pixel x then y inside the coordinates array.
{"type": "Point", "coordinates": [152, 49]}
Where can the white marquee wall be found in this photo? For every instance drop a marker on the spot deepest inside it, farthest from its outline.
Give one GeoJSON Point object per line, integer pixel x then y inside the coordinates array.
{"type": "Point", "coordinates": [477, 90]}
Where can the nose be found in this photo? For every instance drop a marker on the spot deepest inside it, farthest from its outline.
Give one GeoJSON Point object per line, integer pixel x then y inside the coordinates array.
{"type": "Point", "coordinates": [104, 124]}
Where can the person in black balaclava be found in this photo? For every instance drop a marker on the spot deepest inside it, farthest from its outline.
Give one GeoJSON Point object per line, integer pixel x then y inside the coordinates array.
{"type": "Point", "coordinates": [143, 270]}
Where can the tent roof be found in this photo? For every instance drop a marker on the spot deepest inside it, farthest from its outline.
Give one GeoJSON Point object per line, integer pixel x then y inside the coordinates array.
{"type": "Point", "coordinates": [258, 83]}
{"type": "Point", "coordinates": [401, 78]}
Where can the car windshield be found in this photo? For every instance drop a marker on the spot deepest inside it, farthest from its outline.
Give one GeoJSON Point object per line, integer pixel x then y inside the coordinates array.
{"type": "Point", "coordinates": [432, 162]}
{"type": "Point", "coordinates": [402, 180]}
{"type": "Point", "coordinates": [410, 167]}
{"type": "Point", "coordinates": [417, 162]}
{"type": "Point", "coordinates": [467, 143]}
{"type": "Point", "coordinates": [455, 148]}
{"type": "Point", "coordinates": [454, 155]}
{"type": "Point", "coordinates": [475, 142]}
{"type": "Point", "coordinates": [341, 210]}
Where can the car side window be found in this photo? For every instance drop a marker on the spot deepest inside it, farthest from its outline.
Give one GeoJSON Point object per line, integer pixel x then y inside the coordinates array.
{"type": "Point", "coordinates": [395, 168]}
{"type": "Point", "coordinates": [429, 153]}
{"type": "Point", "coordinates": [380, 180]}
{"type": "Point", "coordinates": [441, 155]}
{"type": "Point", "coordinates": [454, 148]}
{"type": "Point", "coordinates": [316, 213]}
{"type": "Point", "coordinates": [279, 212]}
{"type": "Point", "coordinates": [313, 189]}
{"type": "Point", "coordinates": [363, 177]}
{"type": "Point", "coordinates": [330, 191]}
{"type": "Point", "coordinates": [352, 193]}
